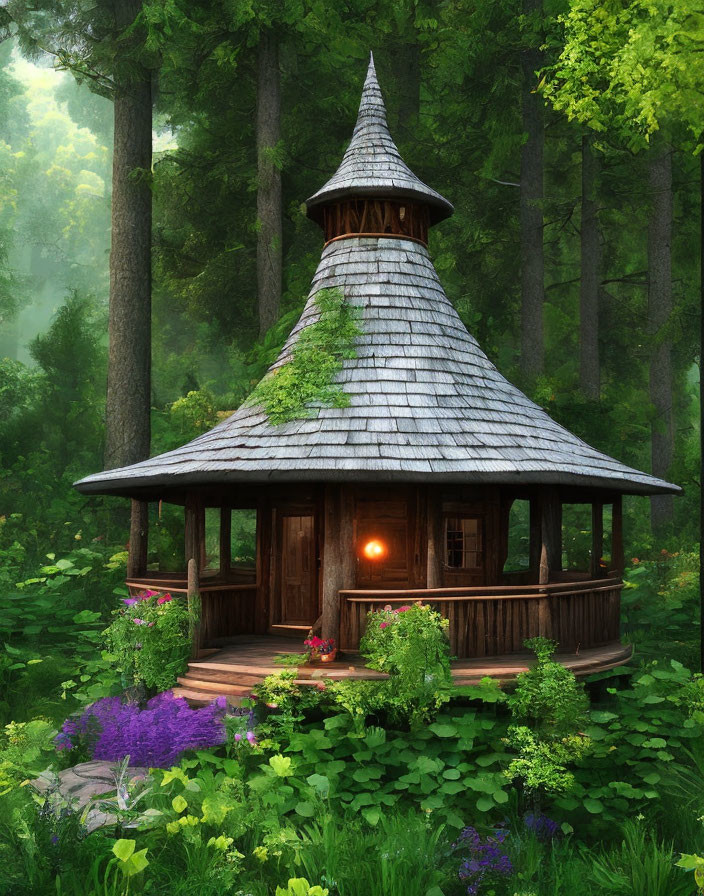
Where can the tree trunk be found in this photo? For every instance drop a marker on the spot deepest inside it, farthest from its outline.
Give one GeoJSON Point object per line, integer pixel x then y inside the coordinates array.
{"type": "Point", "coordinates": [408, 77]}
{"type": "Point", "coordinates": [590, 282]}
{"type": "Point", "coordinates": [659, 310]}
{"type": "Point", "coordinates": [127, 410]}
{"type": "Point", "coordinates": [269, 201]}
{"type": "Point", "coordinates": [531, 212]}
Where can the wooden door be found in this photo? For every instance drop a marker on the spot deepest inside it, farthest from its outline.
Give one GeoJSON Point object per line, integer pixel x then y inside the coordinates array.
{"type": "Point", "coordinates": [298, 578]}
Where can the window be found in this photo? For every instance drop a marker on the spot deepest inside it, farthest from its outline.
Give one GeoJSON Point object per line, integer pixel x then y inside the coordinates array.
{"type": "Point", "coordinates": [166, 538]}
{"type": "Point", "coordinates": [518, 556]}
{"type": "Point", "coordinates": [464, 542]}
{"type": "Point", "coordinates": [576, 537]}
{"type": "Point", "coordinates": [243, 537]}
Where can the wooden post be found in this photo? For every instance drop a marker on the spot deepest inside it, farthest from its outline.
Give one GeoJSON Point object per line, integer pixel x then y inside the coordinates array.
{"type": "Point", "coordinates": [225, 542]}
{"type": "Point", "coordinates": [194, 608]}
{"type": "Point", "coordinates": [195, 529]}
{"type": "Point", "coordinates": [436, 551]}
{"type": "Point", "coordinates": [264, 565]}
{"type": "Point", "coordinates": [551, 534]}
{"type": "Point", "coordinates": [139, 536]}
{"type": "Point", "coordinates": [597, 538]}
{"type": "Point", "coordinates": [339, 554]}
{"type": "Point", "coordinates": [617, 560]}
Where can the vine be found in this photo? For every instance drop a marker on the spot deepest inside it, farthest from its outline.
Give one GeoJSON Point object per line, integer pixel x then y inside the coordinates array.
{"type": "Point", "coordinates": [317, 356]}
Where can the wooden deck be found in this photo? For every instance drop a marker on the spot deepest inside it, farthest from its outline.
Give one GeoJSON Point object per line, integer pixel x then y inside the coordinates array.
{"type": "Point", "coordinates": [235, 669]}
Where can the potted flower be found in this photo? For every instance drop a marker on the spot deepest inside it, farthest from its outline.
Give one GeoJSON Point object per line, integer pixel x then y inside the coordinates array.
{"type": "Point", "coordinates": [323, 649]}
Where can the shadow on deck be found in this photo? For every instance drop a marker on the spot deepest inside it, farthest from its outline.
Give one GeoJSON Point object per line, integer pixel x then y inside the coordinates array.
{"type": "Point", "coordinates": [235, 669]}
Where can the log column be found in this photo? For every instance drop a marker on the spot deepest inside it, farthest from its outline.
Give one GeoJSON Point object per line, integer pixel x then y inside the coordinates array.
{"type": "Point", "coordinates": [195, 551]}
{"type": "Point", "coordinates": [339, 554]}
{"type": "Point", "coordinates": [550, 534]}
{"type": "Point", "coordinates": [436, 547]}
{"type": "Point", "coordinates": [139, 536]}
{"type": "Point", "coordinates": [597, 538]}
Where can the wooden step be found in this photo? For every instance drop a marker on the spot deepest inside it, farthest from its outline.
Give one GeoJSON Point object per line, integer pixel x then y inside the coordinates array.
{"type": "Point", "coordinates": [203, 698]}
{"type": "Point", "coordinates": [225, 675]}
{"type": "Point", "coordinates": [217, 688]}
{"type": "Point", "coordinates": [291, 631]}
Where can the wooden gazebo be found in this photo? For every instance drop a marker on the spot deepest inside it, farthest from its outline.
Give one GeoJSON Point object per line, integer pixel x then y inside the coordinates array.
{"type": "Point", "coordinates": [456, 477]}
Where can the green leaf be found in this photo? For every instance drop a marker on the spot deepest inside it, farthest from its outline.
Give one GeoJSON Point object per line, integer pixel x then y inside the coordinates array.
{"type": "Point", "coordinates": [593, 806]}
{"type": "Point", "coordinates": [179, 804]}
{"type": "Point", "coordinates": [484, 804]}
{"type": "Point", "coordinates": [442, 729]}
{"type": "Point", "coordinates": [281, 765]}
{"type": "Point", "coordinates": [123, 849]}
{"type": "Point", "coordinates": [305, 808]}
{"type": "Point", "coordinates": [371, 816]}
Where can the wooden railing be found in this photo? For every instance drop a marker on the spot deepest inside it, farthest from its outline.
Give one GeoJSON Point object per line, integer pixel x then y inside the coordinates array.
{"type": "Point", "coordinates": [491, 621]}
{"type": "Point", "coordinates": [227, 608]}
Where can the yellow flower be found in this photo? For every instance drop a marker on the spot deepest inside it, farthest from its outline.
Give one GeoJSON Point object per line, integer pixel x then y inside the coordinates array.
{"type": "Point", "coordinates": [261, 853]}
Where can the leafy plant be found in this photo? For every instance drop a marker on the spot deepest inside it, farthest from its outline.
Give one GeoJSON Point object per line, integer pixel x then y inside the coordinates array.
{"type": "Point", "coordinates": [410, 644]}
{"type": "Point", "coordinates": [288, 391]}
{"type": "Point", "coordinates": [553, 706]}
{"type": "Point", "coordinates": [149, 637]}
{"type": "Point", "coordinates": [299, 886]}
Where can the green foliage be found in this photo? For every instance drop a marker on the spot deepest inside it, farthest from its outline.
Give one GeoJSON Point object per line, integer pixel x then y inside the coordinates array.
{"type": "Point", "coordinates": [639, 867]}
{"type": "Point", "coordinates": [306, 380]}
{"type": "Point", "coordinates": [150, 641]}
{"type": "Point", "coordinates": [411, 646]}
{"type": "Point", "coordinates": [26, 749]}
{"type": "Point", "coordinates": [552, 707]}
{"type": "Point", "coordinates": [547, 697]}
{"type": "Point", "coordinates": [299, 886]}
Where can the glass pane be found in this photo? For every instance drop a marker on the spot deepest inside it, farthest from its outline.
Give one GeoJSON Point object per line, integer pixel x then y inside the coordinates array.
{"type": "Point", "coordinates": [463, 540]}
{"type": "Point", "coordinates": [243, 538]}
{"type": "Point", "coordinates": [166, 540]}
{"type": "Point", "coordinates": [576, 537]}
{"type": "Point", "coordinates": [518, 557]}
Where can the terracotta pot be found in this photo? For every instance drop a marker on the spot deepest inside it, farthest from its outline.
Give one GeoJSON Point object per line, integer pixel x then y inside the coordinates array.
{"type": "Point", "coordinates": [328, 657]}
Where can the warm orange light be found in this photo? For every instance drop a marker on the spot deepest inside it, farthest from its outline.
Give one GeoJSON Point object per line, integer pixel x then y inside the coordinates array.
{"type": "Point", "coordinates": [374, 550]}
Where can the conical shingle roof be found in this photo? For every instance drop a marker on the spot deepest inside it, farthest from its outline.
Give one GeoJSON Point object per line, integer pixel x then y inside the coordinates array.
{"type": "Point", "coordinates": [372, 165]}
{"type": "Point", "coordinates": [425, 402]}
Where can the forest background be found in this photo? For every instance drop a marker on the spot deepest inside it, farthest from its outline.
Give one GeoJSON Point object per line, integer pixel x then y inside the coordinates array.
{"type": "Point", "coordinates": [569, 255]}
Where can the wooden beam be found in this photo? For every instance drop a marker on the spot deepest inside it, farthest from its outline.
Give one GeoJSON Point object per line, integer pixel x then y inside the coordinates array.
{"type": "Point", "coordinates": [139, 537]}
{"type": "Point", "coordinates": [597, 538]}
{"type": "Point", "coordinates": [617, 559]}
{"type": "Point", "coordinates": [225, 541]}
{"type": "Point", "coordinates": [194, 608]}
{"type": "Point", "coordinates": [264, 565]}
{"type": "Point", "coordinates": [339, 554]}
{"type": "Point", "coordinates": [195, 530]}
{"type": "Point", "coordinates": [436, 552]}
{"type": "Point", "coordinates": [551, 534]}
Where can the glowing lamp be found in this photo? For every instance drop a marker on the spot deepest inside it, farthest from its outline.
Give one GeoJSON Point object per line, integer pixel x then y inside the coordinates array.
{"type": "Point", "coordinates": [374, 550]}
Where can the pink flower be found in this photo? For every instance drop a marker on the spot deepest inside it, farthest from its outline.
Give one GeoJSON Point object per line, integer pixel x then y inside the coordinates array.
{"type": "Point", "coordinates": [164, 599]}
{"type": "Point", "coordinates": [145, 595]}
{"type": "Point", "coordinates": [138, 621]}
{"type": "Point", "coordinates": [129, 601]}
{"type": "Point", "coordinates": [238, 737]}
{"type": "Point", "coordinates": [251, 737]}
{"type": "Point", "coordinates": [387, 608]}
{"type": "Point", "coordinates": [383, 625]}
{"type": "Point", "coordinates": [403, 608]}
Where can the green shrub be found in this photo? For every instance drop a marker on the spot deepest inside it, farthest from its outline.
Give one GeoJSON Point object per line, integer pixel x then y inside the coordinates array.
{"type": "Point", "coordinates": [410, 644]}
{"type": "Point", "coordinates": [149, 638]}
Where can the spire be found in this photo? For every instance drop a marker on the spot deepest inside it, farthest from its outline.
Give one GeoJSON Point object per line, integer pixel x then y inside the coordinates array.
{"type": "Point", "coordinates": [372, 164]}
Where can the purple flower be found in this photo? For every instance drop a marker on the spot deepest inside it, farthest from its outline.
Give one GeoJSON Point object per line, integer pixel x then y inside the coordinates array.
{"type": "Point", "coordinates": [486, 859]}
{"type": "Point", "coordinates": [251, 737]}
{"type": "Point", "coordinates": [129, 601]}
{"type": "Point", "coordinates": [139, 621]}
{"type": "Point", "coordinates": [238, 737]}
{"type": "Point", "coordinates": [155, 736]}
{"type": "Point", "coordinates": [54, 839]}
{"type": "Point", "coordinates": [543, 827]}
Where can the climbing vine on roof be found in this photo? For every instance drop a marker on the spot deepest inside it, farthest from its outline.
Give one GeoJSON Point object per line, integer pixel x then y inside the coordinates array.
{"type": "Point", "coordinates": [288, 392]}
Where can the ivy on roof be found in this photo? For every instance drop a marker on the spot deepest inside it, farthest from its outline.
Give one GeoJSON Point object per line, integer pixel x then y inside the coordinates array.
{"type": "Point", "coordinates": [291, 391]}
